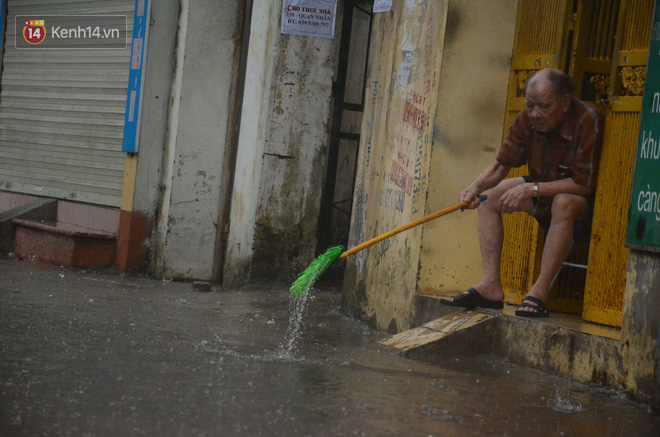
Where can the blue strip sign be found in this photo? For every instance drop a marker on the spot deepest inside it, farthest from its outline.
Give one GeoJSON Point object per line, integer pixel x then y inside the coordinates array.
{"type": "Point", "coordinates": [3, 21]}
{"type": "Point", "coordinates": [136, 76]}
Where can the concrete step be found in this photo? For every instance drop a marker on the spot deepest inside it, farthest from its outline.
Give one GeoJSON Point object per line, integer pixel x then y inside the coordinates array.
{"type": "Point", "coordinates": [552, 345]}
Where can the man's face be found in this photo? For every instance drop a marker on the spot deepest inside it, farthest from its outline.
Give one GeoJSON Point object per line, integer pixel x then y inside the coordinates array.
{"type": "Point", "coordinates": [546, 111]}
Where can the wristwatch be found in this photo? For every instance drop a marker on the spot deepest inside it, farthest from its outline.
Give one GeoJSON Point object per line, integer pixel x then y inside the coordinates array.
{"type": "Point", "coordinates": [535, 190]}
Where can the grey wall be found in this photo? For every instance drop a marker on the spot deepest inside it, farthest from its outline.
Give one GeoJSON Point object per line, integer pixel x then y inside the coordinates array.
{"type": "Point", "coordinates": [157, 86]}
{"type": "Point", "coordinates": [294, 158]}
{"type": "Point", "coordinates": [195, 144]}
{"type": "Point", "coordinates": [282, 151]}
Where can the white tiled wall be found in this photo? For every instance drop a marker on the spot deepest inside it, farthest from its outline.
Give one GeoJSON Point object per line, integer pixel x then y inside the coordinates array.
{"type": "Point", "coordinates": [93, 217]}
{"type": "Point", "coordinates": [12, 200]}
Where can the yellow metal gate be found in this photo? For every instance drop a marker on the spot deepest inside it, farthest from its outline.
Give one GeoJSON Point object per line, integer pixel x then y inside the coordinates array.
{"type": "Point", "coordinates": [603, 46]}
{"type": "Point", "coordinates": [608, 258]}
{"type": "Point", "coordinates": [541, 41]}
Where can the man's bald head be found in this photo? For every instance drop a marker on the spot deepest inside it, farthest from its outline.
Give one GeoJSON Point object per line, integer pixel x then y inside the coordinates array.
{"type": "Point", "coordinates": [547, 99]}
{"type": "Point", "coordinates": [559, 81]}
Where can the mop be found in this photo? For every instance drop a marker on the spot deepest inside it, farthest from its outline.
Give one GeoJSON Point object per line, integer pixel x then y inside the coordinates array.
{"type": "Point", "coordinates": [325, 260]}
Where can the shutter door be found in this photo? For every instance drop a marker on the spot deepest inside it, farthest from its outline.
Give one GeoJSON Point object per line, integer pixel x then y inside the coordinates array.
{"type": "Point", "coordinates": [62, 110]}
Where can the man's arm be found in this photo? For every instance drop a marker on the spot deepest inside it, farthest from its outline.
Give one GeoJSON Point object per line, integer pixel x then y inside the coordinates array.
{"type": "Point", "coordinates": [512, 199]}
{"type": "Point", "coordinates": [490, 177]}
{"type": "Point", "coordinates": [567, 185]}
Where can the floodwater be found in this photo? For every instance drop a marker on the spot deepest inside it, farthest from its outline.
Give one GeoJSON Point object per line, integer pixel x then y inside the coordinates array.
{"type": "Point", "coordinates": [104, 354]}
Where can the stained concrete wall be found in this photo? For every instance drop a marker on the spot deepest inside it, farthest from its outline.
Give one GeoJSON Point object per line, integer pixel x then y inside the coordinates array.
{"type": "Point", "coordinates": [195, 145]}
{"type": "Point", "coordinates": [282, 150]}
{"type": "Point", "coordinates": [155, 105]}
{"type": "Point", "coordinates": [395, 149]}
{"type": "Point", "coordinates": [467, 134]}
{"type": "Point", "coordinates": [157, 87]}
{"type": "Point", "coordinates": [294, 157]}
{"type": "Point", "coordinates": [640, 331]}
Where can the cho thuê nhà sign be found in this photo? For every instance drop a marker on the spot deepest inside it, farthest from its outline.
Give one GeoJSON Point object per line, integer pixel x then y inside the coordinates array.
{"type": "Point", "coordinates": [314, 18]}
{"type": "Point", "coordinates": [644, 217]}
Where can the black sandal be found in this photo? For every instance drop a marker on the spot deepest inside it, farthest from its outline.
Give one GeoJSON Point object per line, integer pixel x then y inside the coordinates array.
{"type": "Point", "coordinates": [541, 309]}
{"type": "Point", "coordinates": [472, 300]}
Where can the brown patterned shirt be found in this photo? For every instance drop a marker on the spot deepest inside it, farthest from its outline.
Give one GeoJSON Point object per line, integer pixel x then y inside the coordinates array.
{"type": "Point", "coordinates": [571, 150]}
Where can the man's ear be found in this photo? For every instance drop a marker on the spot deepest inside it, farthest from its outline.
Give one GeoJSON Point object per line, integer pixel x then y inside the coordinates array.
{"type": "Point", "coordinates": [566, 102]}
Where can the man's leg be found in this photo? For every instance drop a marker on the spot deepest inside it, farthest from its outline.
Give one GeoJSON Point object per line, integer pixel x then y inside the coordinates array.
{"type": "Point", "coordinates": [491, 237]}
{"type": "Point", "coordinates": [566, 208]}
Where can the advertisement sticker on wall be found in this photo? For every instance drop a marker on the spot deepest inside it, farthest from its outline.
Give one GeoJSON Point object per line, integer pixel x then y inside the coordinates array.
{"type": "Point", "coordinates": [314, 18]}
{"type": "Point", "coordinates": [382, 6]}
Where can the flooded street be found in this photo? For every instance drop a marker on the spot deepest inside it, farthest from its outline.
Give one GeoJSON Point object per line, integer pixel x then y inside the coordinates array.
{"type": "Point", "coordinates": [101, 354]}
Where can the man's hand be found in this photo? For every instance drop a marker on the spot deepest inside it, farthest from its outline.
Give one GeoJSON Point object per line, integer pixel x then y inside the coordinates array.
{"type": "Point", "coordinates": [513, 199]}
{"type": "Point", "coordinates": [469, 195]}
{"type": "Point", "coordinates": [488, 178]}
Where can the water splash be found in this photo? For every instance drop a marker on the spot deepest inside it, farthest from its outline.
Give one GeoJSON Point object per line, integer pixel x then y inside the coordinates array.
{"type": "Point", "coordinates": [565, 405]}
{"type": "Point", "coordinates": [220, 348]}
{"type": "Point", "coordinates": [297, 307]}
{"type": "Point", "coordinates": [285, 352]}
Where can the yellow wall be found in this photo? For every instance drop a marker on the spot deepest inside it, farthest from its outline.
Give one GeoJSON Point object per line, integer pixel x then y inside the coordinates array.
{"type": "Point", "coordinates": [395, 150]}
{"type": "Point", "coordinates": [467, 134]}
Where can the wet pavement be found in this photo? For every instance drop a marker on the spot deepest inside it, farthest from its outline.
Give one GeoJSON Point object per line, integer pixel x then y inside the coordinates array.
{"type": "Point", "coordinates": [103, 354]}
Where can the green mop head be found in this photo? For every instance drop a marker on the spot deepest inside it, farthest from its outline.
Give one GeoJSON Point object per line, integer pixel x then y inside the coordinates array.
{"type": "Point", "coordinates": [315, 270]}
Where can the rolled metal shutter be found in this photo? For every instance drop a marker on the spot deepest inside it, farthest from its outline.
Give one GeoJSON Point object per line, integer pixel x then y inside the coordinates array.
{"type": "Point", "coordinates": [62, 110]}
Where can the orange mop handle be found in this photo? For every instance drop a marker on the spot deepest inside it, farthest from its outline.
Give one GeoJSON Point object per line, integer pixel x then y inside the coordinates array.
{"type": "Point", "coordinates": [406, 227]}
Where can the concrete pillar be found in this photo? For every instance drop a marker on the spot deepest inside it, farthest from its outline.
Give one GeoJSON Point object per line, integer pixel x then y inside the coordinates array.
{"type": "Point", "coordinates": [393, 163]}
{"type": "Point", "coordinates": [195, 147]}
{"type": "Point", "coordinates": [640, 330]}
{"type": "Point", "coordinates": [247, 177]}
{"type": "Point", "coordinates": [142, 193]}
{"type": "Point", "coordinates": [281, 152]}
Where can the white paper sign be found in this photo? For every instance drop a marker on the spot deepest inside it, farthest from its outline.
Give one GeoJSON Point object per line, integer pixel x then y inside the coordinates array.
{"type": "Point", "coordinates": [403, 75]}
{"type": "Point", "coordinates": [315, 18]}
{"type": "Point", "coordinates": [382, 6]}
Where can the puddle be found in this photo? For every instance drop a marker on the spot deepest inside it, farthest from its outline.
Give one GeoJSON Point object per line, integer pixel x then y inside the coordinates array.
{"type": "Point", "coordinates": [163, 359]}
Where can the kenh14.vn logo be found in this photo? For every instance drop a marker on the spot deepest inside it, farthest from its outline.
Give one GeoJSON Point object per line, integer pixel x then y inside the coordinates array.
{"type": "Point", "coordinates": [34, 31]}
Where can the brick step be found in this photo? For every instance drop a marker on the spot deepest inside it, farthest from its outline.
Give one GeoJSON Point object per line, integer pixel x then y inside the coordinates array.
{"type": "Point", "coordinates": [64, 244]}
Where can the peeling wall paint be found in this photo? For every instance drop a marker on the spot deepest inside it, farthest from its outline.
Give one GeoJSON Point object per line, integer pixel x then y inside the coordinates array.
{"type": "Point", "coordinates": [294, 157]}
{"type": "Point", "coordinates": [282, 152]}
{"type": "Point", "coordinates": [395, 150]}
{"type": "Point", "coordinates": [467, 135]}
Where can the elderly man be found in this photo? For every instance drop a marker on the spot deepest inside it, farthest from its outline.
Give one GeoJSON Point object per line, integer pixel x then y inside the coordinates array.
{"type": "Point", "coordinates": [559, 138]}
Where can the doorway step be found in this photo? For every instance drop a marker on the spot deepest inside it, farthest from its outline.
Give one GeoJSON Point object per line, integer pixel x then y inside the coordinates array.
{"type": "Point", "coordinates": [561, 345]}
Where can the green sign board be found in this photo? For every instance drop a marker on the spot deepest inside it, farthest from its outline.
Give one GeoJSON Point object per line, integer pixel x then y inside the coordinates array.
{"type": "Point", "coordinates": [644, 218]}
